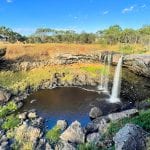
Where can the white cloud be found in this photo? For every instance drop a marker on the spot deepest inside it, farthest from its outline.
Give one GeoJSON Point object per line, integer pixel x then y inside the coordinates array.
{"type": "Point", "coordinates": [9, 1]}
{"type": "Point", "coordinates": [129, 9]}
{"type": "Point", "coordinates": [105, 12]}
{"type": "Point", "coordinates": [143, 6]}
{"type": "Point", "coordinates": [75, 17]}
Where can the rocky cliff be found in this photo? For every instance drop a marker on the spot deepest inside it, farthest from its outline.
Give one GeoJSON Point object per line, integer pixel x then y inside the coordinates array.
{"type": "Point", "coordinates": [139, 64]}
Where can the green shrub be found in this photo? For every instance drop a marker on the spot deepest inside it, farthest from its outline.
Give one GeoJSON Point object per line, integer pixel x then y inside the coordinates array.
{"type": "Point", "coordinates": [127, 49]}
{"type": "Point", "coordinates": [53, 135]}
{"type": "Point", "coordinates": [10, 122]}
{"type": "Point", "coordinates": [6, 110]}
{"type": "Point", "coordinates": [87, 146]}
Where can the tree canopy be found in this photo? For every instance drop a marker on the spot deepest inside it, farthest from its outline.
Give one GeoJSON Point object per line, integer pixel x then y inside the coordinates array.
{"type": "Point", "coordinates": [112, 35]}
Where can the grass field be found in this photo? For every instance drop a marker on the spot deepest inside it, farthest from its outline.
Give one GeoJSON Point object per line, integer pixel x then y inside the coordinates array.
{"type": "Point", "coordinates": [42, 51]}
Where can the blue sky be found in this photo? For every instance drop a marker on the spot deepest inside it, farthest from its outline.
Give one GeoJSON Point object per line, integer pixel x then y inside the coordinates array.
{"type": "Point", "coordinates": [25, 16]}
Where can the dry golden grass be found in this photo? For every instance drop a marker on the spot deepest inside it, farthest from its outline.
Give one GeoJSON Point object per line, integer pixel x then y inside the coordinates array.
{"type": "Point", "coordinates": [42, 51]}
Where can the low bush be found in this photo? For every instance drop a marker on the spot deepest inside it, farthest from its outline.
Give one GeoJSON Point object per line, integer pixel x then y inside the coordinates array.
{"type": "Point", "coordinates": [6, 110]}
{"type": "Point", "coordinates": [10, 122]}
{"type": "Point", "coordinates": [53, 135]}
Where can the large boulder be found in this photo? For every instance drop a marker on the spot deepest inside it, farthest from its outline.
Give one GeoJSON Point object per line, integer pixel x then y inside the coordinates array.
{"type": "Point", "coordinates": [130, 137]}
{"type": "Point", "coordinates": [64, 146]}
{"type": "Point", "coordinates": [4, 96]}
{"type": "Point", "coordinates": [62, 124]}
{"type": "Point", "coordinates": [95, 112]}
{"type": "Point", "coordinates": [74, 133]}
{"type": "Point", "coordinates": [138, 63]}
{"type": "Point", "coordinates": [123, 114]}
{"type": "Point", "coordinates": [93, 138]}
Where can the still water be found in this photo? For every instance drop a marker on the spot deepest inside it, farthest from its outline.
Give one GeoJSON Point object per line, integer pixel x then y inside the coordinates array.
{"type": "Point", "coordinates": [72, 103]}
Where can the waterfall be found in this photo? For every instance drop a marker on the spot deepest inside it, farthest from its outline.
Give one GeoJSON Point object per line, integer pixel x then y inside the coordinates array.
{"type": "Point", "coordinates": [102, 81]}
{"type": "Point", "coordinates": [117, 83]}
{"type": "Point", "coordinates": [105, 74]}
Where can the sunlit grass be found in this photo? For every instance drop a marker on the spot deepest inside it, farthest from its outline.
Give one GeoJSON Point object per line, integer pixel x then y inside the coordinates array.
{"type": "Point", "coordinates": [19, 81]}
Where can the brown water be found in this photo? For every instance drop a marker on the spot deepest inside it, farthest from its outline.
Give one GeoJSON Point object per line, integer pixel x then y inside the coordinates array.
{"type": "Point", "coordinates": [66, 103]}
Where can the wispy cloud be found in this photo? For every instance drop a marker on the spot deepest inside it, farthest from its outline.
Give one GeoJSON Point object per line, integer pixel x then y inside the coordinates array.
{"type": "Point", "coordinates": [128, 9]}
{"type": "Point", "coordinates": [105, 12]}
{"type": "Point", "coordinates": [143, 6]}
{"type": "Point", "coordinates": [9, 1]}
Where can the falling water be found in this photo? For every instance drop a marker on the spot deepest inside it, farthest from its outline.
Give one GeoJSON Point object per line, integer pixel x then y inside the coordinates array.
{"type": "Point", "coordinates": [117, 83]}
{"type": "Point", "coordinates": [102, 82]}
{"type": "Point", "coordinates": [105, 74]}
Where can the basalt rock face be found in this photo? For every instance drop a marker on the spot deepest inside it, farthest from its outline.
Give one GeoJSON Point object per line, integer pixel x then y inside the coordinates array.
{"type": "Point", "coordinates": [62, 59]}
{"type": "Point", "coordinates": [130, 137]}
{"type": "Point", "coordinates": [139, 64]}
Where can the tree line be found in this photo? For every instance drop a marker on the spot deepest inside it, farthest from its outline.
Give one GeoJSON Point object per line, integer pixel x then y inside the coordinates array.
{"type": "Point", "coordinates": [112, 35]}
{"type": "Point", "coordinates": [10, 35]}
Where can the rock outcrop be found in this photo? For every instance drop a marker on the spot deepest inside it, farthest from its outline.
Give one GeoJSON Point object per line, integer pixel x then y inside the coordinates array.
{"type": "Point", "coordinates": [4, 96]}
{"type": "Point", "coordinates": [95, 112]}
{"type": "Point", "coordinates": [138, 63]}
{"type": "Point", "coordinates": [120, 115]}
{"type": "Point", "coordinates": [130, 137]}
{"type": "Point", "coordinates": [73, 134]}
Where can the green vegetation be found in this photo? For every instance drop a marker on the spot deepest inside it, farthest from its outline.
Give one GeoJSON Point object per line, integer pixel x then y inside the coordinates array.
{"type": "Point", "coordinates": [113, 35]}
{"type": "Point", "coordinates": [10, 35]}
{"type": "Point", "coordinates": [53, 135]}
{"type": "Point", "coordinates": [142, 120]}
{"type": "Point", "coordinates": [19, 81]}
{"type": "Point", "coordinates": [10, 122]}
{"type": "Point", "coordinates": [87, 146]}
{"type": "Point", "coordinates": [8, 109]}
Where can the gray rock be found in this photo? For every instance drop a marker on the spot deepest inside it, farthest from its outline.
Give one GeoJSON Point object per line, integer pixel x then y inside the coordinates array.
{"type": "Point", "coordinates": [62, 124]}
{"type": "Point", "coordinates": [138, 63]}
{"type": "Point", "coordinates": [123, 114]}
{"type": "Point", "coordinates": [102, 123]}
{"type": "Point", "coordinates": [3, 139]}
{"type": "Point", "coordinates": [38, 122]}
{"type": "Point", "coordinates": [95, 112]}
{"type": "Point", "coordinates": [19, 105]}
{"type": "Point", "coordinates": [32, 115]}
{"type": "Point", "coordinates": [4, 146]}
{"type": "Point", "coordinates": [48, 147]}
{"type": "Point", "coordinates": [93, 138]}
{"type": "Point", "coordinates": [4, 96]}
{"type": "Point", "coordinates": [74, 133]}
{"type": "Point", "coordinates": [90, 128]}
{"type": "Point", "coordinates": [22, 116]}
{"type": "Point", "coordinates": [130, 137]}
{"type": "Point", "coordinates": [64, 146]}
